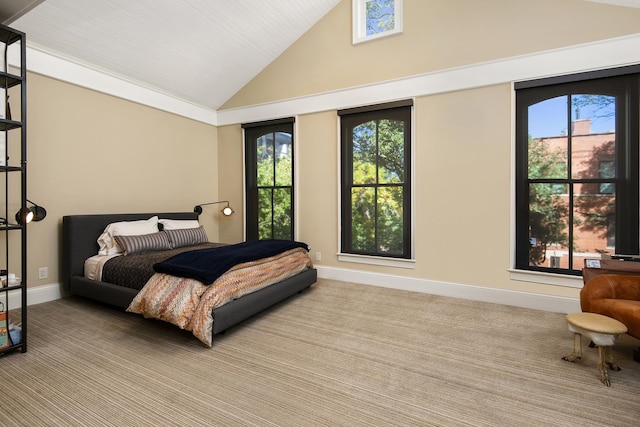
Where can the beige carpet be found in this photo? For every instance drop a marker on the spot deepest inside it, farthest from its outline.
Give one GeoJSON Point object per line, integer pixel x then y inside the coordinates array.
{"type": "Point", "coordinates": [339, 354]}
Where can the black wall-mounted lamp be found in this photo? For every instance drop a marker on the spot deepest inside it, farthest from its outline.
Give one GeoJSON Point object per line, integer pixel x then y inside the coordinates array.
{"type": "Point", "coordinates": [27, 214]}
{"type": "Point", "coordinates": [226, 211]}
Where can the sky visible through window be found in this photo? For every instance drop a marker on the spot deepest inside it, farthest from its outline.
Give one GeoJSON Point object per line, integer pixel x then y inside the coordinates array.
{"type": "Point", "coordinates": [549, 118]}
{"type": "Point", "coordinates": [380, 16]}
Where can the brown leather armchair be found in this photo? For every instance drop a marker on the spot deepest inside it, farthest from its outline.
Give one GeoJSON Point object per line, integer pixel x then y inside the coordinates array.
{"type": "Point", "coordinates": [616, 296]}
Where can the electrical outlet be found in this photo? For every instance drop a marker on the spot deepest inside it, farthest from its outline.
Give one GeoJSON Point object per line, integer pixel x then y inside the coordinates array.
{"type": "Point", "coordinates": [318, 256]}
{"type": "Point", "coordinates": [43, 273]}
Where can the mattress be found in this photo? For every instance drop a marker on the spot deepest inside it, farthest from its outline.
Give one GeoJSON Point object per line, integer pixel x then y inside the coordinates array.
{"type": "Point", "coordinates": [93, 266]}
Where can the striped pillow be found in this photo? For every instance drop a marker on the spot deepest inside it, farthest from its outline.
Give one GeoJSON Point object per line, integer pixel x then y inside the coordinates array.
{"type": "Point", "coordinates": [143, 243]}
{"type": "Point", "coordinates": [187, 237]}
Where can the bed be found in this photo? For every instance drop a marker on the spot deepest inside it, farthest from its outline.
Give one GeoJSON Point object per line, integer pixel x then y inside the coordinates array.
{"type": "Point", "coordinates": [80, 234]}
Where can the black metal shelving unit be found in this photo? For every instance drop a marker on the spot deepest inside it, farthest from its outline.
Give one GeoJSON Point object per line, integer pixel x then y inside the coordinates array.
{"type": "Point", "coordinates": [13, 167]}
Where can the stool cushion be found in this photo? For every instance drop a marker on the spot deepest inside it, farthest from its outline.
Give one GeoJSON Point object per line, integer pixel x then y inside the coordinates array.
{"type": "Point", "coordinates": [596, 323]}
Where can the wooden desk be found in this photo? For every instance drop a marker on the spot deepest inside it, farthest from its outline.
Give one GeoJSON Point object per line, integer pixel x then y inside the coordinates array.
{"type": "Point", "coordinates": [609, 266]}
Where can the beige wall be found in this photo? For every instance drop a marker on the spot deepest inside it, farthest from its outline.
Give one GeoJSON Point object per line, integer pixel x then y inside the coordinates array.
{"type": "Point", "coordinates": [93, 153]}
{"type": "Point", "coordinates": [438, 34]}
{"type": "Point", "coordinates": [317, 183]}
{"type": "Point", "coordinates": [463, 139]}
{"type": "Point", "coordinates": [230, 173]}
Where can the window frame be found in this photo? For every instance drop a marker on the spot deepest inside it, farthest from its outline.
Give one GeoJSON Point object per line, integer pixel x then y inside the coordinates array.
{"type": "Point", "coordinates": [347, 117]}
{"type": "Point", "coordinates": [359, 25]}
{"type": "Point", "coordinates": [625, 80]}
{"type": "Point", "coordinates": [251, 186]}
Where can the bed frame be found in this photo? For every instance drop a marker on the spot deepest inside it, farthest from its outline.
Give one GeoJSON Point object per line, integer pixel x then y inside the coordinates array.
{"type": "Point", "coordinates": [79, 242]}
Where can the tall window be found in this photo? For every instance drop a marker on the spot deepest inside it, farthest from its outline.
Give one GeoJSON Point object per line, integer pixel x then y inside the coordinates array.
{"type": "Point", "coordinates": [576, 169]}
{"type": "Point", "coordinates": [269, 180]}
{"type": "Point", "coordinates": [375, 180]}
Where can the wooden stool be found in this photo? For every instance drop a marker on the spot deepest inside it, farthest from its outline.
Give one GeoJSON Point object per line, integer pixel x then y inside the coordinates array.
{"type": "Point", "coordinates": [602, 330]}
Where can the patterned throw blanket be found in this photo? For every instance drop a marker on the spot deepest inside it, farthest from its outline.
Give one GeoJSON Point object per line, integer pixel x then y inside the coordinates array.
{"type": "Point", "coordinates": [187, 303]}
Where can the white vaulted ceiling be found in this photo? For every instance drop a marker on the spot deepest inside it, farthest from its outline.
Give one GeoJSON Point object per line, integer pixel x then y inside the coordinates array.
{"type": "Point", "coordinates": [199, 51]}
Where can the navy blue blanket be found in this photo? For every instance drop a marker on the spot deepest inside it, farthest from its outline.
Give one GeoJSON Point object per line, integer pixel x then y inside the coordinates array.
{"type": "Point", "coordinates": [206, 265]}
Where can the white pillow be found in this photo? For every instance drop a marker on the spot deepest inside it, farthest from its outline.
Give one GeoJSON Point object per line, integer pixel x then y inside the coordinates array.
{"type": "Point", "coordinates": [109, 246]}
{"type": "Point", "coordinates": [179, 224]}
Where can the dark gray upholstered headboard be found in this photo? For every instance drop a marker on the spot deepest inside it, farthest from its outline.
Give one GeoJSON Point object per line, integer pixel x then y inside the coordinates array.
{"type": "Point", "coordinates": [80, 234]}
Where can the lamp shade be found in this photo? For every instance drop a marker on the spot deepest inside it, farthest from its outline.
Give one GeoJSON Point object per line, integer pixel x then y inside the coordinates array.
{"type": "Point", "coordinates": [27, 214]}
{"type": "Point", "coordinates": [24, 216]}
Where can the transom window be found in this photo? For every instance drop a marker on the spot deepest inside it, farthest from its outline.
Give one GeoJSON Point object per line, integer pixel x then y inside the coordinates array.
{"type": "Point", "coordinates": [373, 19]}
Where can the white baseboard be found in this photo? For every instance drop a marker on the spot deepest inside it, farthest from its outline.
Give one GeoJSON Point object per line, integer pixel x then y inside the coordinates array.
{"type": "Point", "coordinates": [556, 304]}
{"type": "Point", "coordinates": [36, 295]}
